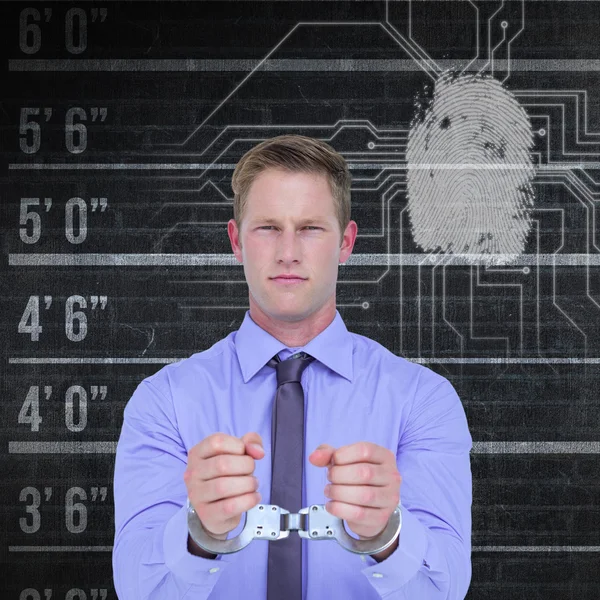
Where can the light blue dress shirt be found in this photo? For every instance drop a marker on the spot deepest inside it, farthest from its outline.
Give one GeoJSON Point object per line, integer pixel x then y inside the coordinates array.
{"type": "Point", "coordinates": [356, 390]}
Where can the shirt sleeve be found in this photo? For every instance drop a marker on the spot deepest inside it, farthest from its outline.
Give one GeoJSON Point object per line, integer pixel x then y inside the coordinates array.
{"type": "Point", "coordinates": [150, 557]}
{"type": "Point", "coordinates": [433, 557]}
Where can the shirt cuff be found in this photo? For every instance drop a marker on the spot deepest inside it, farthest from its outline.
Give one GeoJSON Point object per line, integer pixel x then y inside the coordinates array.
{"type": "Point", "coordinates": [404, 562]}
{"type": "Point", "coordinates": [184, 565]}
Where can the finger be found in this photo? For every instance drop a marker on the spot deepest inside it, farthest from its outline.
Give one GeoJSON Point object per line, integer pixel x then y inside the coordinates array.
{"type": "Point", "coordinates": [226, 487]}
{"type": "Point", "coordinates": [228, 508]}
{"type": "Point", "coordinates": [253, 444]}
{"type": "Point", "coordinates": [322, 455]}
{"type": "Point", "coordinates": [255, 451]}
{"type": "Point", "coordinates": [359, 474]}
{"type": "Point", "coordinates": [359, 495]}
{"type": "Point", "coordinates": [219, 443]}
{"type": "Point", "coordinates": [354, 513]}
{"type": "Point", "coordinates": [252, 437]}
{"type": "Point", "coordinates": [225, 465]}
{"type": "Point", "coordinates": [362, 452]}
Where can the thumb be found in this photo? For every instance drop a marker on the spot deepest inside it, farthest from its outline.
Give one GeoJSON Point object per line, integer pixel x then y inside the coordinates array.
{"type": "Point", "coordinates": [322, 455]}
{"type": "Point", "coordinates": [253, 444]}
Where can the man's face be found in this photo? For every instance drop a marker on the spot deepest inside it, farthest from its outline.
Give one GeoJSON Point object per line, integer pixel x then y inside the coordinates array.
{"type": "Point", "coordinates": [290, 227]}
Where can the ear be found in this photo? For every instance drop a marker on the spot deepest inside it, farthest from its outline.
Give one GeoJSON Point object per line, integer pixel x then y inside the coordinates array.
{"type": "Point", "coordinates": [234, 234]}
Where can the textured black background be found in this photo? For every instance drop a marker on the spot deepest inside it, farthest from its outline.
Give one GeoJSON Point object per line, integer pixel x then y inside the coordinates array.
{"type": "Point", "coordinates": [171, 113]}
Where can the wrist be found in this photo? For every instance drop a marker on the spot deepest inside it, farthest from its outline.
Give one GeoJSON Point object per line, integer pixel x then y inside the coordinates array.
{"type": "Point", "coordinates": [194, 549]}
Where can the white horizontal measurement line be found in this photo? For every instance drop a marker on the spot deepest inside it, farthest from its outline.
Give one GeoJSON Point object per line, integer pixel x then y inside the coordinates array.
{"type": "Point", "coordinates": [536, 548]}
{"type": "Point", "coordinates": [400, 165]}
{"type": "Point", "coordinates": [536, 448]}
{"type": "Point", "coordinates": [60, 548]}
{"type": "Point", "coordinates": [362, 259]}
{"type": "Point", "coordinates": [566, 360]}
{"type": "Point", "coordinates": [478, 447]}
{"type": "Point", "coordinates": [293, 64]}
{"type": "Point", "coordinates": [62, 447]}
{"type": "Point", "coordinates": [473, 549]}
{"type": "Point", "coordinates": [92, 361]}
{"type": "Point", "coordinates": [117, 166]}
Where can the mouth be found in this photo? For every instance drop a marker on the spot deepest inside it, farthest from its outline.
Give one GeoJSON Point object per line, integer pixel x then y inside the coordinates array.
{"type": "Point", "coordinates": [288, 280]}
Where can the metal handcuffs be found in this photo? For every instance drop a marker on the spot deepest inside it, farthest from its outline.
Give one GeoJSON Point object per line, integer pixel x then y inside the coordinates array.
{"type": "Point", "coordinates": [271, 522]}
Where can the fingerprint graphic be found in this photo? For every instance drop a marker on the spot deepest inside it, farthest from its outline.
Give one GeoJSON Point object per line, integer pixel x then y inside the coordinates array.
{"type": "Point", "coordinates": [470, 170]}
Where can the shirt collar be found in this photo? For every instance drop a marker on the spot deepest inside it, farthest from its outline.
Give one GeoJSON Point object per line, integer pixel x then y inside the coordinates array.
{"type": "Point", "coordinates": [255, 347]}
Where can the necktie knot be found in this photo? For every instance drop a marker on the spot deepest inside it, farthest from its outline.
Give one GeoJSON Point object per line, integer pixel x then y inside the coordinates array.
{"type": "Point", "coordinates": [290, 369]}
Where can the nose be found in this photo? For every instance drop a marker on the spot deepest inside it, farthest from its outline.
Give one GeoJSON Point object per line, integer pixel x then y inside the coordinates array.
{"type": "Point", "coordinates": [288, 247]}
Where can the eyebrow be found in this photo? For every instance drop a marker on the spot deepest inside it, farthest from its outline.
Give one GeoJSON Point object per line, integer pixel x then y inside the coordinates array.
{"type": "Point", "coordinates": [271, 221]}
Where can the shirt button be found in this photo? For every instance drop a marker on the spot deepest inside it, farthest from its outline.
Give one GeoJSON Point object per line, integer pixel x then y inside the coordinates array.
{"type": "Point", "coordinates": [214, 570]}
{"type": "Point", "coordinates": [377, 575]}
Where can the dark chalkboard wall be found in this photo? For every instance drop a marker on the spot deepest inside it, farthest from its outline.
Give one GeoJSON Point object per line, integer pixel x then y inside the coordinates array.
{"type": "Point", "coordinates": [121, 123]}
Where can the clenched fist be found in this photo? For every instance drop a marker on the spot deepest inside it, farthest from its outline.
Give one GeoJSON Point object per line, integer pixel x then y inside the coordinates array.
{"type": "Point", "coordinates": [219, 480]}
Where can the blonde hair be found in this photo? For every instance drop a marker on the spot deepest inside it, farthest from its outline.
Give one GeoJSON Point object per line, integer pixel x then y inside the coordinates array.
{"type": "Point", "coordinates": [295, 153]}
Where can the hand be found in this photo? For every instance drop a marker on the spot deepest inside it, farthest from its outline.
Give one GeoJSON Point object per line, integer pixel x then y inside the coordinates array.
{"type": "Point", "coordinates": [219, 480]}
{"type": "Point", "coordinates": [365, 485]}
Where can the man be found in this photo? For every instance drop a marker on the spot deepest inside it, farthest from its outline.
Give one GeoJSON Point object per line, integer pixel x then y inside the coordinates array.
{"type": "Point", "coordinates": [380, 431]}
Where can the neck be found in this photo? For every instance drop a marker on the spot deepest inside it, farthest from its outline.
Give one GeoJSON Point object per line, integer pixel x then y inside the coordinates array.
{"type": "Point", "coordinates": [294, 333]}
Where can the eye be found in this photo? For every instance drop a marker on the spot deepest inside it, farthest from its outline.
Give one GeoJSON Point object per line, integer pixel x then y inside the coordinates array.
{"type": "Point", "coordinates": [305, 227]}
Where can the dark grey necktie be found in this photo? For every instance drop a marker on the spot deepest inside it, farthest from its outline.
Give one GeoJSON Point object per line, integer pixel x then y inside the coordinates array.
{"type": "Point", "coordinates": [287, 458]}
